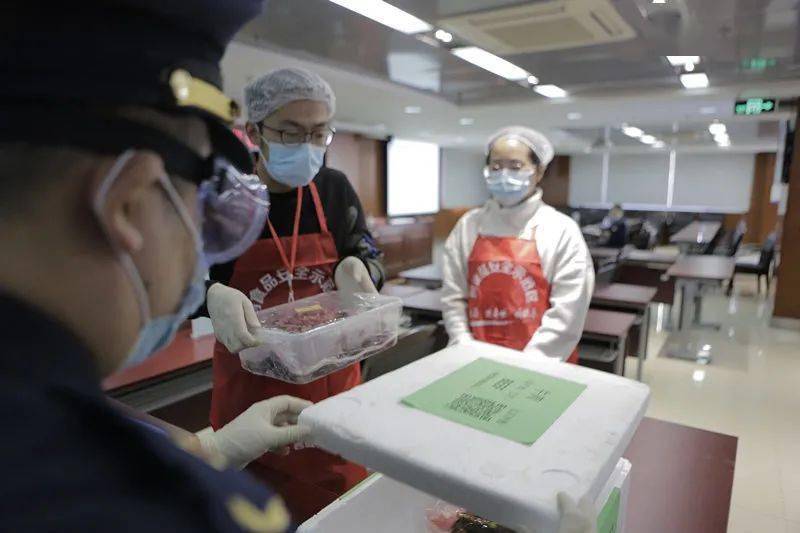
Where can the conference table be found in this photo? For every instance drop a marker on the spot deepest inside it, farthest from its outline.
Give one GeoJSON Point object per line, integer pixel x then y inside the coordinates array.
{"type": "Point", "coordinates": [698, 236]}
{"type": "Point", "coordinates": [681, 480]}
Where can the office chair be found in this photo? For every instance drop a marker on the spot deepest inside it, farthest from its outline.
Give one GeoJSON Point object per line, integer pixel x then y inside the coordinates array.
{"type": "Point", "coordinates": [762, 268]}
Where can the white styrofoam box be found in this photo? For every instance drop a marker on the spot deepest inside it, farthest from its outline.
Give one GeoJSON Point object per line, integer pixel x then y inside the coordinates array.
{"type": "Point", "coordinates": [499, 479]}
{"type": "Point", "coordinates": [620, 479]}
{"type": "Point", "coordinates": [385, 505]}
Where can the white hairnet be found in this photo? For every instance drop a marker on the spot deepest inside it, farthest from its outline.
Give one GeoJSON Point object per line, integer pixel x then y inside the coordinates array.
{"type": "Point", "coordinates": [535, 140]}
{"type": "Point", "coordinates": [275, 89]}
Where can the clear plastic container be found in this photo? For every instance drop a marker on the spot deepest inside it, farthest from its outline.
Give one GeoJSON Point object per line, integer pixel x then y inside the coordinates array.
{"type": "Point", "coordinates": [316, 336]}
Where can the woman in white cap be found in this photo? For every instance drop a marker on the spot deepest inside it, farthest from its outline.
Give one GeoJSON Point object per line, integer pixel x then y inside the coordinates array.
{"type": "Point", "coordinates": [517, 273]}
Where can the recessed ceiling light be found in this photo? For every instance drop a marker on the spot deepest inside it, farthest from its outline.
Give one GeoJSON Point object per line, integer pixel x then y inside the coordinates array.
{"type": "Point", "coordinates": [412, 110]}
{"type": "Point", "coordinates": [708, 110]}
{"type": "Point", "coordinates": [574, 116]}
{"type": "Point", "coordinates": [689, 67]}
{"type": "Point", "coordinates": [677, 61]}
{"type": "Point", "coordinates": [444, 36]}
{"type": "Point", "coordinates": [648, 139]}
{"type": "Point", "coordinates": [550, 91]}
{"type": "Point", "coordinates": [466, 121]}
{"type": "Point", "coordinates": [694, 80]}
{"type": "Point", "coordinates": [533, 80]}
{"type": "Point", "coordinates": [386, 14]}
{"type": "Point", "coordinates": [488, 61]}
{"type": "Point", "coordinates": [631, 131]}
{"type": "Point", "coordinates": [698, 376]}
{"type": "Point", "coordinates": [717, 128]}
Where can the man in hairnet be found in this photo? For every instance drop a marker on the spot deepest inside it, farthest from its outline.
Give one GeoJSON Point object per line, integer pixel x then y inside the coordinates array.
{"type": "Point", "coordinates": [517, 273]}
{"type": "Point", "coordinates": [315, 240]}
{"type": "Point", "coordinates": [121, 182]}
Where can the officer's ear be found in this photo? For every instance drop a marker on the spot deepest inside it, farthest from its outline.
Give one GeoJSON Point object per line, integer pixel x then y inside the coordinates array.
{"type": "Point", "coordinates": [125, 205]}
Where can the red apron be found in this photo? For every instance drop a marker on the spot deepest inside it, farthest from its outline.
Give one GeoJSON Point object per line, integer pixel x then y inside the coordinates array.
{"type": "Point", "coordinates": [508, 292]}
{"type": "Point", "coordinates": [308, 479]}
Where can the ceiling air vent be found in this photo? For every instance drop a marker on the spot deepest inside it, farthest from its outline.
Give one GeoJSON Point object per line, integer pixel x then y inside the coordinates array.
{"type": "Point", "coordinates": [542, 26]}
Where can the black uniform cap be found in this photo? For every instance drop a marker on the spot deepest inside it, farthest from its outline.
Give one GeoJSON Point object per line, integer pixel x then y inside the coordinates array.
{"type": "Point", "coordinates": [64, 61]}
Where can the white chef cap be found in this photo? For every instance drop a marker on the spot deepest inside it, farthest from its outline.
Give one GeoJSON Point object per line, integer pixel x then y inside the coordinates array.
{"type": "Point", "coordinates": [275, 89]}
{"type": "Point", "coordinates": [533, 139]}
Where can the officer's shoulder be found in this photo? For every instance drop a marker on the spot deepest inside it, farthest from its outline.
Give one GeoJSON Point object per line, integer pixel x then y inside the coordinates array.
{"type": "Point", "coordinates": [87, 464]}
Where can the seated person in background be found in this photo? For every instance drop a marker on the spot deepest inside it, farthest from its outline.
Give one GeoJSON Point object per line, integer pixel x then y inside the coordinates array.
{"type": "Point", "coordinates": [615, 227]}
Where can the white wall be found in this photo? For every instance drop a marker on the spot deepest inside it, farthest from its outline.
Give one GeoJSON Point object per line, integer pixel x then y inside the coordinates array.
{"type": "Point", "coordinates": [719, 182]}
{"type": "Point", "coordinates": [585, 180]}
{"type": "Point", "coordinates": [701, 182]}
{"type": "Point", "coordinates": [462, 178]}
{"type": "Point", "coordinates": [638, 179]}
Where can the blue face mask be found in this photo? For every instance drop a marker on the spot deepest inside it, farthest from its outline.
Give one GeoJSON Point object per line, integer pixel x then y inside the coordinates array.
{"type": "Point", "coordinates": [294, 166]}
{"type": "Point", "coordinates": [156, 333]}
{"type": "Point", "coordinates": [508, 187]}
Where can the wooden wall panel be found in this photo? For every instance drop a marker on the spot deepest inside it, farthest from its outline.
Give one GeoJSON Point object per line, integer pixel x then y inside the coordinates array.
{"type": "Point", "coordinates": [787, 295]}
{"type": "Point", "coordinates": [556, 182]}
{"type": "Point", "coordinates": [363, 161]}
{"type": "Point", "coordinates": [763, 215]}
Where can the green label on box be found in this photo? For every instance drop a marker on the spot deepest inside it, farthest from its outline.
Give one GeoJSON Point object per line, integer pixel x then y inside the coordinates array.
{"type": "Point", "coordinates": [609, 516]}
{"type": "Point", "coordinates": [499, 399]}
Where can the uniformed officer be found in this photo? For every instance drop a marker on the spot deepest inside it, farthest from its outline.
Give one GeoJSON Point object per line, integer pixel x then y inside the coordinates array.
{"type": "Point", "coordinates": [121, 183]}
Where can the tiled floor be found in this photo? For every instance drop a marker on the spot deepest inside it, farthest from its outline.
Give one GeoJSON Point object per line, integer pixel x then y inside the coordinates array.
{"type": "Point", "coordinates": [751, 389]}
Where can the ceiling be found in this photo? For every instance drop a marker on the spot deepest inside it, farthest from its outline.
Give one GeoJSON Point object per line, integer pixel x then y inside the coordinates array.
{"type": "Point", "coordinates": [377, 71]}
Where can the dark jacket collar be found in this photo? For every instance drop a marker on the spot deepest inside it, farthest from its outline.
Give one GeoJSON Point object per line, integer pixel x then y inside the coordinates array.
{"type": "Point", "coordinates": [37, 348]}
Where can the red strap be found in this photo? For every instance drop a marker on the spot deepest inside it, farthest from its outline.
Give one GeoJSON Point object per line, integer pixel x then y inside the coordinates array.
{"type": "Point", "coordinates": [279, 245]}
{"type": "Point", "coordinates": [323, 222]}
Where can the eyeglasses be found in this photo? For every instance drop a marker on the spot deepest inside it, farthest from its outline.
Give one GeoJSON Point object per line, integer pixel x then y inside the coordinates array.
{"type": "Point", "coordinates": [317, 137]}
{"type": "Point", "coordinates": [510, 165]}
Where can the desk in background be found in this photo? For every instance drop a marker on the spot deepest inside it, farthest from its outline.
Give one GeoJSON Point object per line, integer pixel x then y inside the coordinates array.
{"type": "Point", "coordinates": [629, 298]}
{"type": "Point", "coordinates": [427, 275]}
{"type": "Point", "coordinates": [647, 268]}
{"type": "Point", "coordinates": [610, 327]}
{"type": "Point", "coordinates": [173, 385]}
{"type": "Point", "coordinates": [693, 274]}
{"type": "Point", "coordinates": [697, 236]}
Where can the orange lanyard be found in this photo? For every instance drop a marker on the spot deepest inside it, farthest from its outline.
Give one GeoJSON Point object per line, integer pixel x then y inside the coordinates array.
{"type": "Point", "coordinates": [279, 245]}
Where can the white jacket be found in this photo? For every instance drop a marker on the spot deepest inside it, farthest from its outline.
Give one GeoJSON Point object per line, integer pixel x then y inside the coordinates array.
{"type": "Point", "coordinates": [566, 262]}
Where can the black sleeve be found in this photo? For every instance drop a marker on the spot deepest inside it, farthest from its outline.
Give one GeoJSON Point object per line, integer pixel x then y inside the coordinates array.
{"type": "Point", "coordinates": [352, 236]}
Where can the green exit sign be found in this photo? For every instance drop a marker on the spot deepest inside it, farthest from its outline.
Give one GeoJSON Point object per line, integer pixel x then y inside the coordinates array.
{"type": "Point", "coordinates": [755, 106]}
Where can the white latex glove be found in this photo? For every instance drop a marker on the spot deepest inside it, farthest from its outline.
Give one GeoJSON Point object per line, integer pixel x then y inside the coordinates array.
{"type": "Point", "coordinates": [576, 518]}
{"type": "Point", "coordinates": [352, 277]}
{"type": "Point", "coordinates": [233, 317]}
{"type": "Point", "coordinates": [266, 426]}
